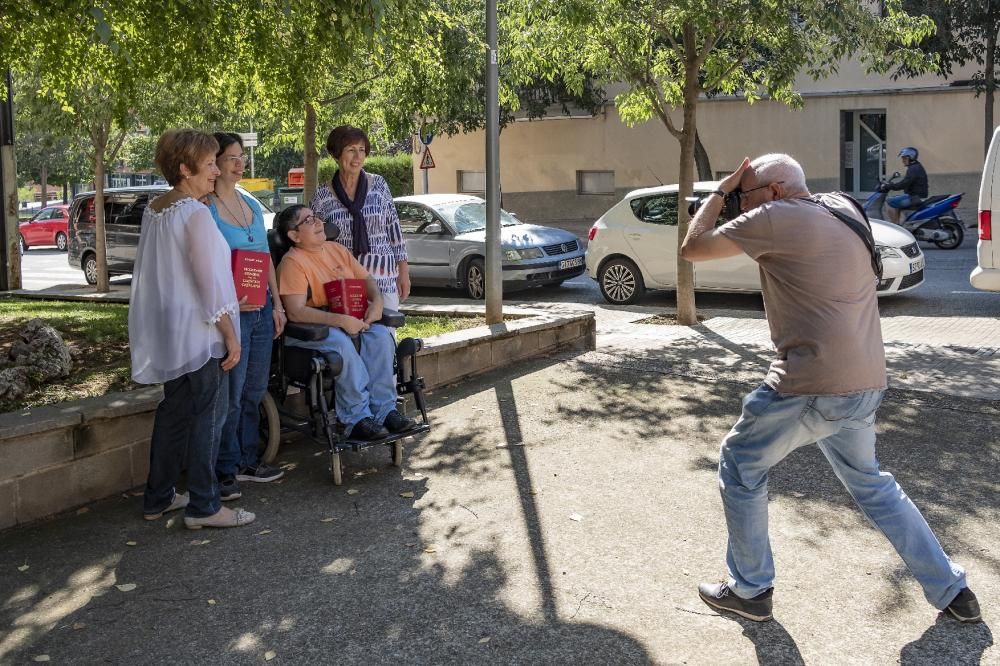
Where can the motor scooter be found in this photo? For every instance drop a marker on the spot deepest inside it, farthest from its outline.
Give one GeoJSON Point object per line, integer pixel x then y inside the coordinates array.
{"type": "Point", "coordinates": [934, 220]}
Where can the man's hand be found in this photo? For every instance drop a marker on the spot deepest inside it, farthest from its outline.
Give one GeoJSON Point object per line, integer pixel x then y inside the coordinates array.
{"type": "Point", "coordinates": [732, 181]}
{"type": "Point", "coordinates": [374, 313]}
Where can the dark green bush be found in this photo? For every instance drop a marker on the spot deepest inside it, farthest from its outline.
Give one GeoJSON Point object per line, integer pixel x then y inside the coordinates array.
{"type": "Point", "coordinates": [397, 171]}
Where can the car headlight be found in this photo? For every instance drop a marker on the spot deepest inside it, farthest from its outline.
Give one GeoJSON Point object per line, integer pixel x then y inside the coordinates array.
{"type": "Point", "coordinates": [887, 252]}
{"type": "Point", "coordinates": [524, 253]}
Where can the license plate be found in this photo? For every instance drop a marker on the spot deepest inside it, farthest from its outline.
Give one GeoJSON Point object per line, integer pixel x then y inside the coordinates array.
{"type": "Point", "coordinates": [570, 263]}
{"type": "Point", "coordinates": [917, 265]}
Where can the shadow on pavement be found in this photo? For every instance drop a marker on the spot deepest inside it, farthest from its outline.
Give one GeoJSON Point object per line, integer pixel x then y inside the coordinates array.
{"type": "Point", "coordinates": [941, 644]}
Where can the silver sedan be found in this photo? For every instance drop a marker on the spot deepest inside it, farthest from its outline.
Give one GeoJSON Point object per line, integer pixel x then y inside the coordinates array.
{"type": "Point", "coordinates": [446, 244]}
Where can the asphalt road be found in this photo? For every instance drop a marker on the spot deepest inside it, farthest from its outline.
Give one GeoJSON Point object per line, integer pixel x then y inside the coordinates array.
{"type": "Point", "coordinates": [945, 291]}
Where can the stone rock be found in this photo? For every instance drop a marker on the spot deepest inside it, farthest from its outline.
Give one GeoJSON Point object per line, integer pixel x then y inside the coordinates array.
{"type": "Point", "coordinates": [13, 383]}
{"type": "Point", "coordinates": [42, 352]}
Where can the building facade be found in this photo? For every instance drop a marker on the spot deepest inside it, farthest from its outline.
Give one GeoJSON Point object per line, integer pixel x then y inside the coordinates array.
{"type": "Point", "coordinates": [846, 135]}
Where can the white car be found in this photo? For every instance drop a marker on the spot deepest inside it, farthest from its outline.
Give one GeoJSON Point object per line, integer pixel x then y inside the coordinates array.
{"type": "Point", "coordinates": [633, 247]}
{"type": "Point", "coordinates": [986, 274]}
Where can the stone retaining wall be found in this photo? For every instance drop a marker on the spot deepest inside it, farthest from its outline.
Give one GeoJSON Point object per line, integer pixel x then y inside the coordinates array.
{"type": "Point", "coordinates": [59, 457]}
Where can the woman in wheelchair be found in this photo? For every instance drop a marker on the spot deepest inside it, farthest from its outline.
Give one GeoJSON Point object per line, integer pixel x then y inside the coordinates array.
{"type": "Point", "coordinates": [365, 395]}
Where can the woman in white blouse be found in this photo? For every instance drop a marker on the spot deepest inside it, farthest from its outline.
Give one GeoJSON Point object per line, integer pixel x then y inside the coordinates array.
{"type": "Point", "coordinates": [184, 333]}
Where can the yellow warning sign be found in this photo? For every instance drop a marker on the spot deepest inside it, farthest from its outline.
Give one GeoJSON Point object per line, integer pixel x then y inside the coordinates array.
{"type": "Point", "coordinates": [427, 161]}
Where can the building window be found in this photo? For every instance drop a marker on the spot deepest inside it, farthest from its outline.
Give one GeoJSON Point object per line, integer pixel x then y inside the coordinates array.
{"type": "Point", "coordinates": [472, 181]}
{"type": "Point", "coordinates": [119, 180]}
{"type": "Point", "coordinates": [595, 182]}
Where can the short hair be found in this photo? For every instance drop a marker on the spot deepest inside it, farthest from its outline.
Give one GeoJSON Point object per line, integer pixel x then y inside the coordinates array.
{"type": "Point", "coordinates": [182, 146]}
{"type": "Point", "coordinates": [343, 136]}
{"type": "Point", "coordinates": [286, 218]}
{"type": "Point", "coordinates": [775, 167]}
{"type": "Point", "coordinates": [227, 139]}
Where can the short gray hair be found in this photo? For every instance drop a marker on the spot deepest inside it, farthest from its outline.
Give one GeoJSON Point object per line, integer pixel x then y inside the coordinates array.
{"type": "Point", "coordinates": [776, 167]}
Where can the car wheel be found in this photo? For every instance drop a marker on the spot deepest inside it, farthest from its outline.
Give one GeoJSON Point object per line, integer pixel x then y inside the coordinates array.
{"type": "Point", "coordinates": [474, 279]}
{"type": "Point", "coordinates": [21, 244]}
{"type": "Point", "coordinates": [90, 268]}
{"type": "Point", "coordinates": [61, 241]}
{"type": "Point", "coordinates": [621, 282]}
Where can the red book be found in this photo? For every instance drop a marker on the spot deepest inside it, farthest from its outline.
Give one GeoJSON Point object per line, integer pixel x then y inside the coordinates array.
{"type": "Point", "coordinates": [347, 296]}
{"type": "Point", "coordinates": [250, 273]}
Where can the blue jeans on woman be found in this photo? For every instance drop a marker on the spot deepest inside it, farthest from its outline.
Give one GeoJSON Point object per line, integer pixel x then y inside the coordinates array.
{"type": "Point", "coordinates": [247, 385]}
{"type": "Point", "coordinates": [186, 431]}
{"type": "Point", "coordinates": [772, 426]}
{"type": "Point", "coordinates": [366, 387]}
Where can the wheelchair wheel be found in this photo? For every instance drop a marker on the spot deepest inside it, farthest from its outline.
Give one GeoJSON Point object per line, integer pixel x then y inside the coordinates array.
{"type": "Point", "coordinates": [270, 429]}
{"type": "Point", "coordinates": [336, 469]}
{"type": "Point", "coordinates": [397, 453]}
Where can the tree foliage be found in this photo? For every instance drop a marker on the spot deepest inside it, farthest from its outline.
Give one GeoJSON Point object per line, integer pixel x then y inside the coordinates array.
{"type": "Point", "coordinates": [670, 54]}
{"type": "Point", "coordinates": [966, 34]}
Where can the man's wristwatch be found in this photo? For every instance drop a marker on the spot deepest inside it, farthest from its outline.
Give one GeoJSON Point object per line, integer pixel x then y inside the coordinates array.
{"type": "Point", "coordinates": [722, 195]}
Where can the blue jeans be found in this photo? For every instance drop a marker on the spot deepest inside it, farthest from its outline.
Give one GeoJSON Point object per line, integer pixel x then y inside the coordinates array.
{"type": "Point", "coordinates": [903, 201]}
{"type": "Point", "coordinates": [247, 386]}
{"type": "Point", "coordinates": [772, 426]}
{"type": "Point", "coordinates": [186, 430]}
{"type": "Point", "coordinates": [366, 387]}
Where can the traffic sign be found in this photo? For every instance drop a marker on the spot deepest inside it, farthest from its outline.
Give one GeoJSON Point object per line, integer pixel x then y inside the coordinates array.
{"type": "Point", "coordinates": [427, 161]}
{"type": "Point", "coordinates": [249, 139]}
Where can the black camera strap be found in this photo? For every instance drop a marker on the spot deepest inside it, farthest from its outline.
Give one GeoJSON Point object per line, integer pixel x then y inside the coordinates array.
{"type": "Point", "coordinates": [864, 231]}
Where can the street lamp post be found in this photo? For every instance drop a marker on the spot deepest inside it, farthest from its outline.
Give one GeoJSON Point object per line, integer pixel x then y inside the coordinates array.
{"type": "Point", "coordinates": [494, 281]}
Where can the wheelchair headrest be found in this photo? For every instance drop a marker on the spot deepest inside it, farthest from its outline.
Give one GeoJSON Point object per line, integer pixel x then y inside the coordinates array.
{"type": "Point", "coordinates": [278, 247]}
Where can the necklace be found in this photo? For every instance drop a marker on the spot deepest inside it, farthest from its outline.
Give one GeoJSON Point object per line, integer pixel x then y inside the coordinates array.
{"type": "Point", "coordinates": [245, 226]}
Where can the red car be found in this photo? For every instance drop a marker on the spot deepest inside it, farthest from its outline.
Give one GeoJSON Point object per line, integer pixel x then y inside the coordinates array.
{"type": "Point", "coordinates": [47, 227]}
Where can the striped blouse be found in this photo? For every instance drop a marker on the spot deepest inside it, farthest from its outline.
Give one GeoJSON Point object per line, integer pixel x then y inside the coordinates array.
{"type": "Point", "coordinates": [385, 238]}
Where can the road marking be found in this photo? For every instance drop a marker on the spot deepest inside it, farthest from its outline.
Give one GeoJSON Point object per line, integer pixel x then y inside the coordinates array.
{"type": "Point", "coordinates": [972, 292]}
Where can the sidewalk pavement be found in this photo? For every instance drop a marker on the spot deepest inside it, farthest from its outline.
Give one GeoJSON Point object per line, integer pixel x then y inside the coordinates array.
{"type": "Point", "coordinates": [560, 511]}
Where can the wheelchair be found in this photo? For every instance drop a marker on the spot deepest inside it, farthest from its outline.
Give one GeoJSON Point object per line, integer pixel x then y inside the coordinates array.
{"type": "Point", "coordinates": [296, 370]}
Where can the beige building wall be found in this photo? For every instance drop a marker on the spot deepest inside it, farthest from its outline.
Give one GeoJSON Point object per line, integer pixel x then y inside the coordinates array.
{"type": "Point", "coordinates": [540, 159]}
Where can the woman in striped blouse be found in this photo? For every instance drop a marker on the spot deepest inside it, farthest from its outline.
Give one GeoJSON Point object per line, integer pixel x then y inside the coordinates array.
{"type": "Point", "coordinates": [360, 205]}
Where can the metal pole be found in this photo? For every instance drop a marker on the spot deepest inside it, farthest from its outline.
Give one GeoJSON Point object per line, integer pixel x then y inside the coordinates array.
{"type": "Point", "coordinates": [494, 259]}
{"type": "Point", "coordinates": [427, 188]}
{"type": "Point", "coordinates": [10, 254]}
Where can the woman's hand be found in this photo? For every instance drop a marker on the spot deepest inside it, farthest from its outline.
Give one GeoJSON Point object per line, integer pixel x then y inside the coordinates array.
{"type": "Point", "coordinates": [232, 352]}
{"type": "Point", "coordinates": [403, 285]}
{"type": "Point", "coordinates": [373, 314]}
{"type": "Point", "coordinates": [279, 322]}
{"type": "Point", "coordinates": [352, 325]}
{"type": "Point", "coordinates": [247, 307]}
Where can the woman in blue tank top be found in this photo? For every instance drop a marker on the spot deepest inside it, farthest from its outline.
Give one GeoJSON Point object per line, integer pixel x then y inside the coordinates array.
{"type": "Point", "coordinates": [240, 218]}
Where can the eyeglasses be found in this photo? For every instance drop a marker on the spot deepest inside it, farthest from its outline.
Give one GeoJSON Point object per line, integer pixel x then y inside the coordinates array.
{"type": "Point", "coordinates": [744, 193]}
{"type": "Point", "coordinates": [242, 157]}
{"type": "Point", "coordinates": [311, 219]}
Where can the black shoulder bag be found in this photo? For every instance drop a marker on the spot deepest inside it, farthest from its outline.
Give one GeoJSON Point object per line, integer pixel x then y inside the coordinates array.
{"type": "Point", "coordinates": [864, 231]}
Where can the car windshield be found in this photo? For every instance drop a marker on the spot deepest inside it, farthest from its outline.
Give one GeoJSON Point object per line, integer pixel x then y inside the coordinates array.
{"type": "Point", "coordinates": [468, 216]}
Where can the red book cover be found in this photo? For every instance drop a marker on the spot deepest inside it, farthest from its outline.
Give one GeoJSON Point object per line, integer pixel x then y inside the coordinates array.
{"type": "Point", "coordinates": [347, 296]}
{"type": "Point", "coordinates": [250, 273]}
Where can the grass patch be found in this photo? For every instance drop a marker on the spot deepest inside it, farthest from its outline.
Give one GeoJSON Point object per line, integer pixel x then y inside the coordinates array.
{"type": "Point", "coordinates": [97, 335]}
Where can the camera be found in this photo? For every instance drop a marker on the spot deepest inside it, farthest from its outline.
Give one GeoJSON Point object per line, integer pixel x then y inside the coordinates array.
{"type": "Point", "coordinates": [730, 204]}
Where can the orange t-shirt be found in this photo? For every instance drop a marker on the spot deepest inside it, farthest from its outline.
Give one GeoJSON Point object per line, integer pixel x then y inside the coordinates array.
{"type": "Point", "coordinates": [306, 271]}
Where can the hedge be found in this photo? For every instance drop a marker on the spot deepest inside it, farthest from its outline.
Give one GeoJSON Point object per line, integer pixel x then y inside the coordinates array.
{"type": "Point", "coordinates": [397, 171]}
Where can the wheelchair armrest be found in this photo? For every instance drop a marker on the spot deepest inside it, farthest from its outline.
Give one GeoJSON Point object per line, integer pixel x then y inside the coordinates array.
{"type": "Point", "coordinates": [306, 332]}
{"type": "Point", "coordinates": [392, 318]}
{"type": "Point", "coordinates": [408, 347]}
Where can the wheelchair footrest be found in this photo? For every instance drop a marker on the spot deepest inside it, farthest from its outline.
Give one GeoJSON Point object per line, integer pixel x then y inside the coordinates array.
{"type": "Point", "coordinates": [358, 444]}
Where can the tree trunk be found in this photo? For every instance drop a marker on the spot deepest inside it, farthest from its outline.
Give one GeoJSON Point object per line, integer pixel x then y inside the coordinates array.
{"type": "Point", "coordinates": [100, 138]}
{"type": "Point", "coordinates": [44, 176]}
{"type": "Point", "coordinates": [701, 159]}
{"type": "Point", "coordinates": [310, 155]}
{"type": "Point", "coordinates": [991, 86]}
{"type": "Point", "coordinates": [687, 313]}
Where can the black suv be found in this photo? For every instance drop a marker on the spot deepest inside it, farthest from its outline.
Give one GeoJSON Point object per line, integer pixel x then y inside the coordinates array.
{"type": "Point", "coordinates": [123, 208]}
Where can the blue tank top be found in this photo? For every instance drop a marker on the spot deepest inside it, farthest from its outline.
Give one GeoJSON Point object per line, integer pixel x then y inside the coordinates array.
{"type": "Point", "coordinates": [238, 238]}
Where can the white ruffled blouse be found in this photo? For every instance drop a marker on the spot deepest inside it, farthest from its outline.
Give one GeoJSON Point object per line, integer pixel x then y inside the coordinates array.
{"type": "Point", "coordinates": [182, 284]}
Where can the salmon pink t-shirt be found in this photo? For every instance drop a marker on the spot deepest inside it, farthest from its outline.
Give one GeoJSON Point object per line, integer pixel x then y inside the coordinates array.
{"type": "Point", "coordinates": [306, 271]}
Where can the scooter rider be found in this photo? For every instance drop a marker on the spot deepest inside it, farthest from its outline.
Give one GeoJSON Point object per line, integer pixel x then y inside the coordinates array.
{"type": "Point", "coordinates": [913, 184]}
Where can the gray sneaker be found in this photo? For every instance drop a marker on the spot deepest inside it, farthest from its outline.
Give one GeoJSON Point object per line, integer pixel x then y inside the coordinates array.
{"type": "Point", "coordinates": [260, 473]}
{"type": "Point", "coordinates": [720, 597]}
{"type": "Point", "coordinates": [229, 489]}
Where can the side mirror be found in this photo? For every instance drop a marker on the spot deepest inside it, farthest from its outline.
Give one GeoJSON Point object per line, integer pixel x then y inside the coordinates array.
{"type": "Point", "coordinates": [433, 228]}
